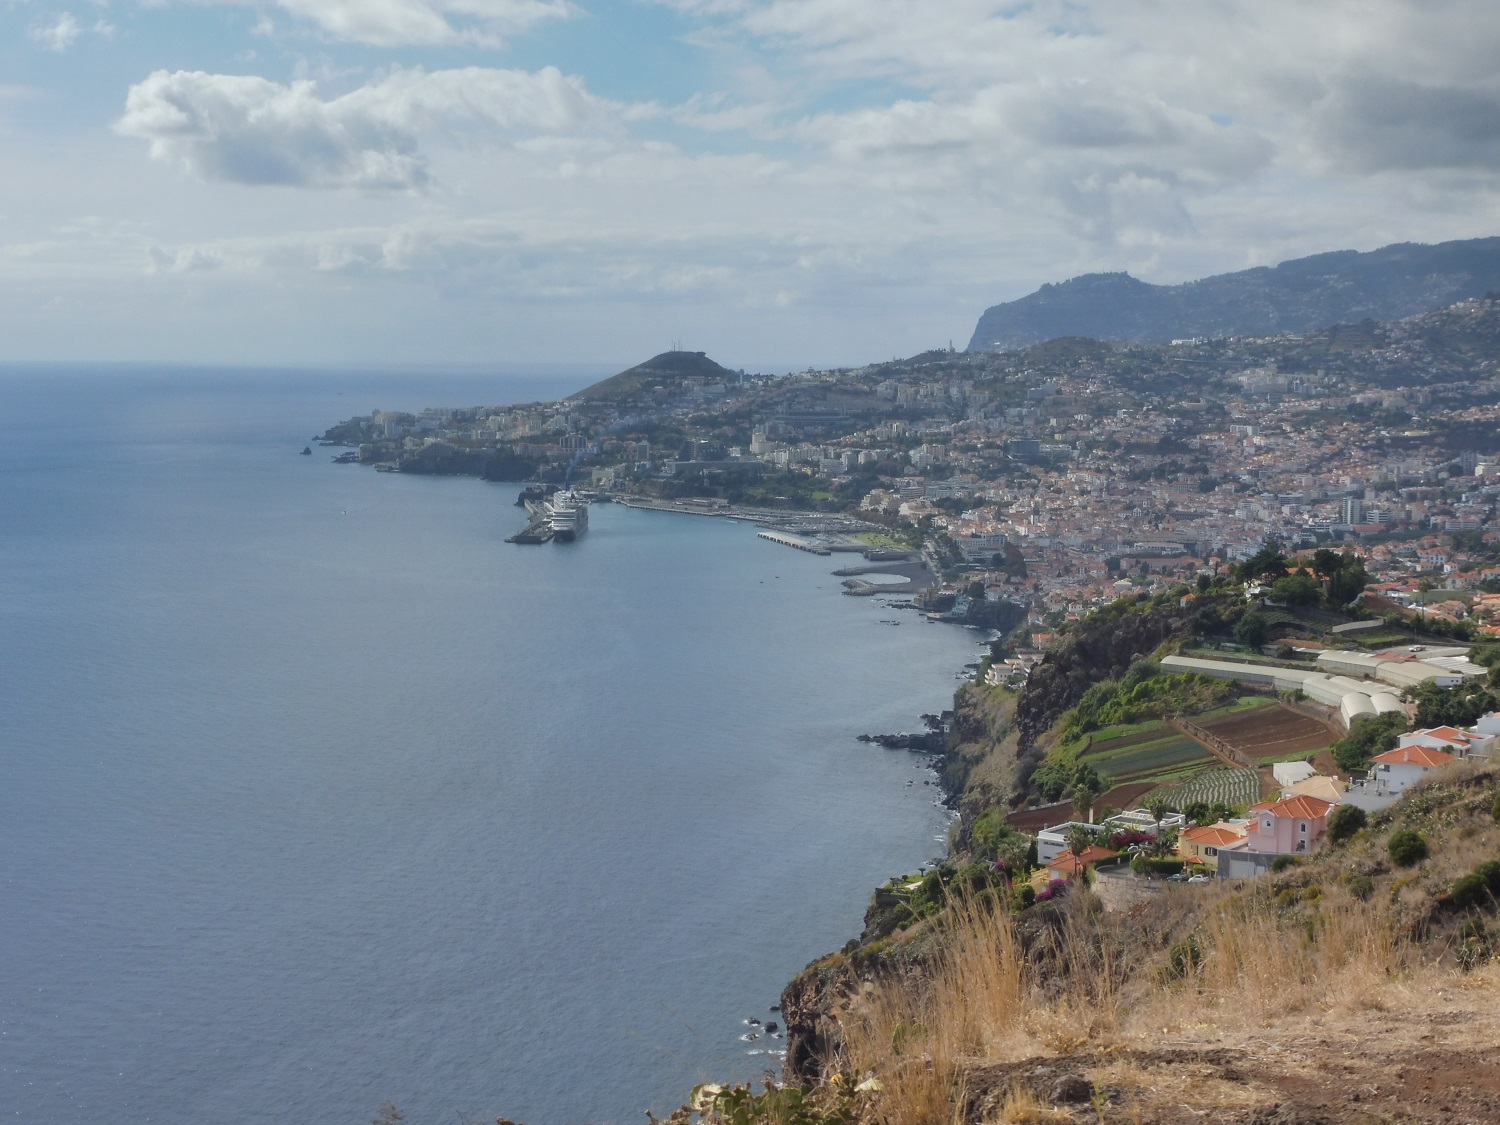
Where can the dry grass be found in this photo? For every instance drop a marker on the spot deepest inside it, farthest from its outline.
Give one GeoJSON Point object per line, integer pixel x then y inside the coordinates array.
{"type": "Point", "coordinates": [1084, 990]}
{"type": "Point", "coordinates": [1208, 1003]}
{"type": "Point", "coordinates": [1022, 1107]}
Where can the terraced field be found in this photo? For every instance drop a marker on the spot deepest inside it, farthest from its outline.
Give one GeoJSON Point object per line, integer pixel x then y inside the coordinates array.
{"type": "Point", "coordinates": [1233, 787]}
{"type": "Point", "coordinates": [1150, 751]}
{"type": "Point", "coordinates": [1268, 733]}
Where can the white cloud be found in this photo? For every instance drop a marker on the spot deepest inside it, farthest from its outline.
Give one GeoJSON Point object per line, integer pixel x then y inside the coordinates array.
{"type": "Point", "coordinates": [872, 172]}
{"type": "Point", "coordinates": [396, 23]}
{"type": "Point", "coordinates": [59, 35]}
{"type": "Point", "coordinates": [249, 130]}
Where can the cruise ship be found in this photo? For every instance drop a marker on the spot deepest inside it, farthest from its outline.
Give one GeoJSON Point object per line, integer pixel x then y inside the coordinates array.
{"type": "Point", "coordinates": [568, 515]}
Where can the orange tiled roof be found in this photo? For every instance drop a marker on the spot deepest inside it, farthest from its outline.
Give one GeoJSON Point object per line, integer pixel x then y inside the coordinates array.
{"type": "Point", "coordinates": [1414, 756]}
{"type": "Point", "coordinates": [1300, 808]}
{"type": "Point", "coordinates": [1091, 854]}
{"type": "Point", "coordinates": [1447, 734]}
{"type": "Point", "coordinates": [1211, 836]}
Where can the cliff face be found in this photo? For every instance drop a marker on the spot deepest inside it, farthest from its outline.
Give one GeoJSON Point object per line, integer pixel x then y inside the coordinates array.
{"type": "Point", "coordinates": [1101, 647]}
{"type": "Point", "coordinates": [1296, 296]}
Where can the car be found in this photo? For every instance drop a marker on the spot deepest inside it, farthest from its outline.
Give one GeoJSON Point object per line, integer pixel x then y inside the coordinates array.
{"type": "Point", "coordinates": [1200, 879]}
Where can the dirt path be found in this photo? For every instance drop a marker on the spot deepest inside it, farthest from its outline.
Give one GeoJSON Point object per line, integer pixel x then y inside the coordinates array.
{"type": "Point", "coordinates": [1435, 1064]}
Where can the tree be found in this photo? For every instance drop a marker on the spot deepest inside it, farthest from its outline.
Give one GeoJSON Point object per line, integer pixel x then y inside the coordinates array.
{"type": "Point", "coordinates": [1454, 707]}
{"type": "Point", "coordinates": [1199, 812]}
{"type": "Point", "coordinates": [1252, 630]}
{"type": "Point", "coordinates": [1268, 562]}
{"type": "Point", "coordinates": [1368, 735]}
{"type": "Point", "coordinates": [1087, 777]}
{"type": "Point", "coordinates": [1327, 562]}
{"type": "Point", "coordinates": [1345, 822]}
{"type": "Point", "coordinates": [1347, 584]}
{"type": "Point", "coordinates": [1011, 853]}
{"type": "Point", "coordinates": [1083, 801]}
{"type": "Point", "coordinates": [1078, 839]}
{"type": "Point", "coordinates": [1296, 589]}
{"type": "Point", "coordinates": [1159, 811]}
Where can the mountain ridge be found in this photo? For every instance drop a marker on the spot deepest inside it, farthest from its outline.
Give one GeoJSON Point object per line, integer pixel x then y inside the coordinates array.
{"type": "Point", "coordinates": [1298, 295]}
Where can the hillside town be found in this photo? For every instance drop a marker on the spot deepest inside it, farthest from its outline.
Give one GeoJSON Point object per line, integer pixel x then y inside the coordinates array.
{"type": "Point", "coordinates": [1060, 476]}
{"type": "Point", "coordinates": [1241, 599]}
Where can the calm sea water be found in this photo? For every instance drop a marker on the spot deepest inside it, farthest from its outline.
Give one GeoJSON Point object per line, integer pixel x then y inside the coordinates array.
{"type": "Point", "coordinates": [313, 792]}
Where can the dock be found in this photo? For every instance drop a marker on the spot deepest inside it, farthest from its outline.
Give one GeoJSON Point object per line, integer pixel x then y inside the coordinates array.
{"type": "Point", "coordinates": [794, 541]}
{"type": "Point", "coordinates": [536, 533]}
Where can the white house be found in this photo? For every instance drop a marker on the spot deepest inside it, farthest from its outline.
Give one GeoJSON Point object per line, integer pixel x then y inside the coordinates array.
{"type": "Point", "coordinates": [1052, 842]}
{"type": "Point", "coordinates": [1396, 770]}
{"type": "Point", "coordinates": [1141, 820]}
{"type": "Point", "coordinates": [1451, 740]}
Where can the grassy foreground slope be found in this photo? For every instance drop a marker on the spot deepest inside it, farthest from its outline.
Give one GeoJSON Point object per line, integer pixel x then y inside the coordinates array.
{"type": "Point", "coordinates": [1345, 989]}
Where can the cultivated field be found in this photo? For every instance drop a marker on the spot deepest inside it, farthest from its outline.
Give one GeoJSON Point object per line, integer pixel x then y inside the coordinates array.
{"type": "Point", "coordinates": [1126, 796]}
{"type": "Point", "coordinates": [1034, 820]}
{"type": "Point", "coordinates": [1233, 787]}
{"type": "Point", "coordinates": [1151, 751]}
{"type": "Point", "coordinates": [1268, 733]}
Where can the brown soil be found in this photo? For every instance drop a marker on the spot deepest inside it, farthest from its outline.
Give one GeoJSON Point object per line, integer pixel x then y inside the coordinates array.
{"type": "Point", "coordinates": [1271, 732]}
{"type": "Point", "coordinates": [1323, 762]}
{"type": "Point", "coordinates": [1269, 786]}
{"type": "Point", "coordinates": [1031, 820]}
{"type": "Point", "coordinates": [1434, 1065]}
{"type": "Point", "coordinates": [1125, 796]}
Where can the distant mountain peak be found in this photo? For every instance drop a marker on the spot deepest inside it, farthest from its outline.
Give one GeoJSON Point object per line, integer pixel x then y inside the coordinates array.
{"type": "Point", "coordinates": [1300, 295]}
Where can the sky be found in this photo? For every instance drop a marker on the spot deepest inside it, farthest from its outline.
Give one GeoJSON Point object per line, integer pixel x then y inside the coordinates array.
{"type": "Point", "coordinates": [780, 183]}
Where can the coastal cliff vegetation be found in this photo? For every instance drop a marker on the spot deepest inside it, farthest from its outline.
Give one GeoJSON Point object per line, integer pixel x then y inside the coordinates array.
{"type": "Point", "coordinates": [1356, 986]}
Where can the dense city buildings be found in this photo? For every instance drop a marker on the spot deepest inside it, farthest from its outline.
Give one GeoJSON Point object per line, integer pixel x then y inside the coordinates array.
{"type": "Point", "coordinates": [1062, 475]}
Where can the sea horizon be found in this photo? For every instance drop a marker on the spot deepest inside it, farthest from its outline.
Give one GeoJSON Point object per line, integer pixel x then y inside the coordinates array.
{"type": "Point", "coordinates": [319, 794]}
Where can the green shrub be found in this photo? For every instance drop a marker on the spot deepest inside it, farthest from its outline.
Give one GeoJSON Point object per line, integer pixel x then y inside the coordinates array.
{"type": "Point", "coordinates": [1474, 945]}
{"type": "Point", "coordinates": [1406, 847]}
{"type": "Point", "coordinates": [1495, 808]}
{"type": "Point", "coordinates": [1345, 822]}
{"type": "Point", "coordinates": [1025, 896]}
{"type": "Point", "coordinates": [1282, 862]}
{"type": "Point", "coordinates": [1362, 887]}
{"type": "Point", "coordinates": [1469, 891]}
{"type": "Point", "coordinates": [1489, 871]}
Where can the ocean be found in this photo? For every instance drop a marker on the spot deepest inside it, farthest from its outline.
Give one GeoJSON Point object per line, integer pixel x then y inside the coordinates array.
{"type": "Point", "coordinates": [314, 793]}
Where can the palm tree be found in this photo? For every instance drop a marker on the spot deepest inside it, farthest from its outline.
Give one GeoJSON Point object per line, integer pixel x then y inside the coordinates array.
{"type": "Point", "coordinates": [1159, 811]}
{"type": "Point", "coordinates": [1011, 854]}
{"type": "Point", "coordinates": [1079, 838]}
{"type": "Point", "coordinates": [1083, 800]}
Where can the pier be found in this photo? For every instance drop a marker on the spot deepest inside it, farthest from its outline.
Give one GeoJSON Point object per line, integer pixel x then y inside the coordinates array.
{"type": "Point", "coordinates": [793, 541]}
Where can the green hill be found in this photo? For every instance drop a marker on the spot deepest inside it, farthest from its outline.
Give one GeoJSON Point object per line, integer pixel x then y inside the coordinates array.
{"type": "Point", "coordinates": [668, 370]}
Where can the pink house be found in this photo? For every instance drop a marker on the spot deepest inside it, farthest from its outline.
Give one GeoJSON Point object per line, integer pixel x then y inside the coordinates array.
{"type": "Point", "coordinates": [1289, 826]}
